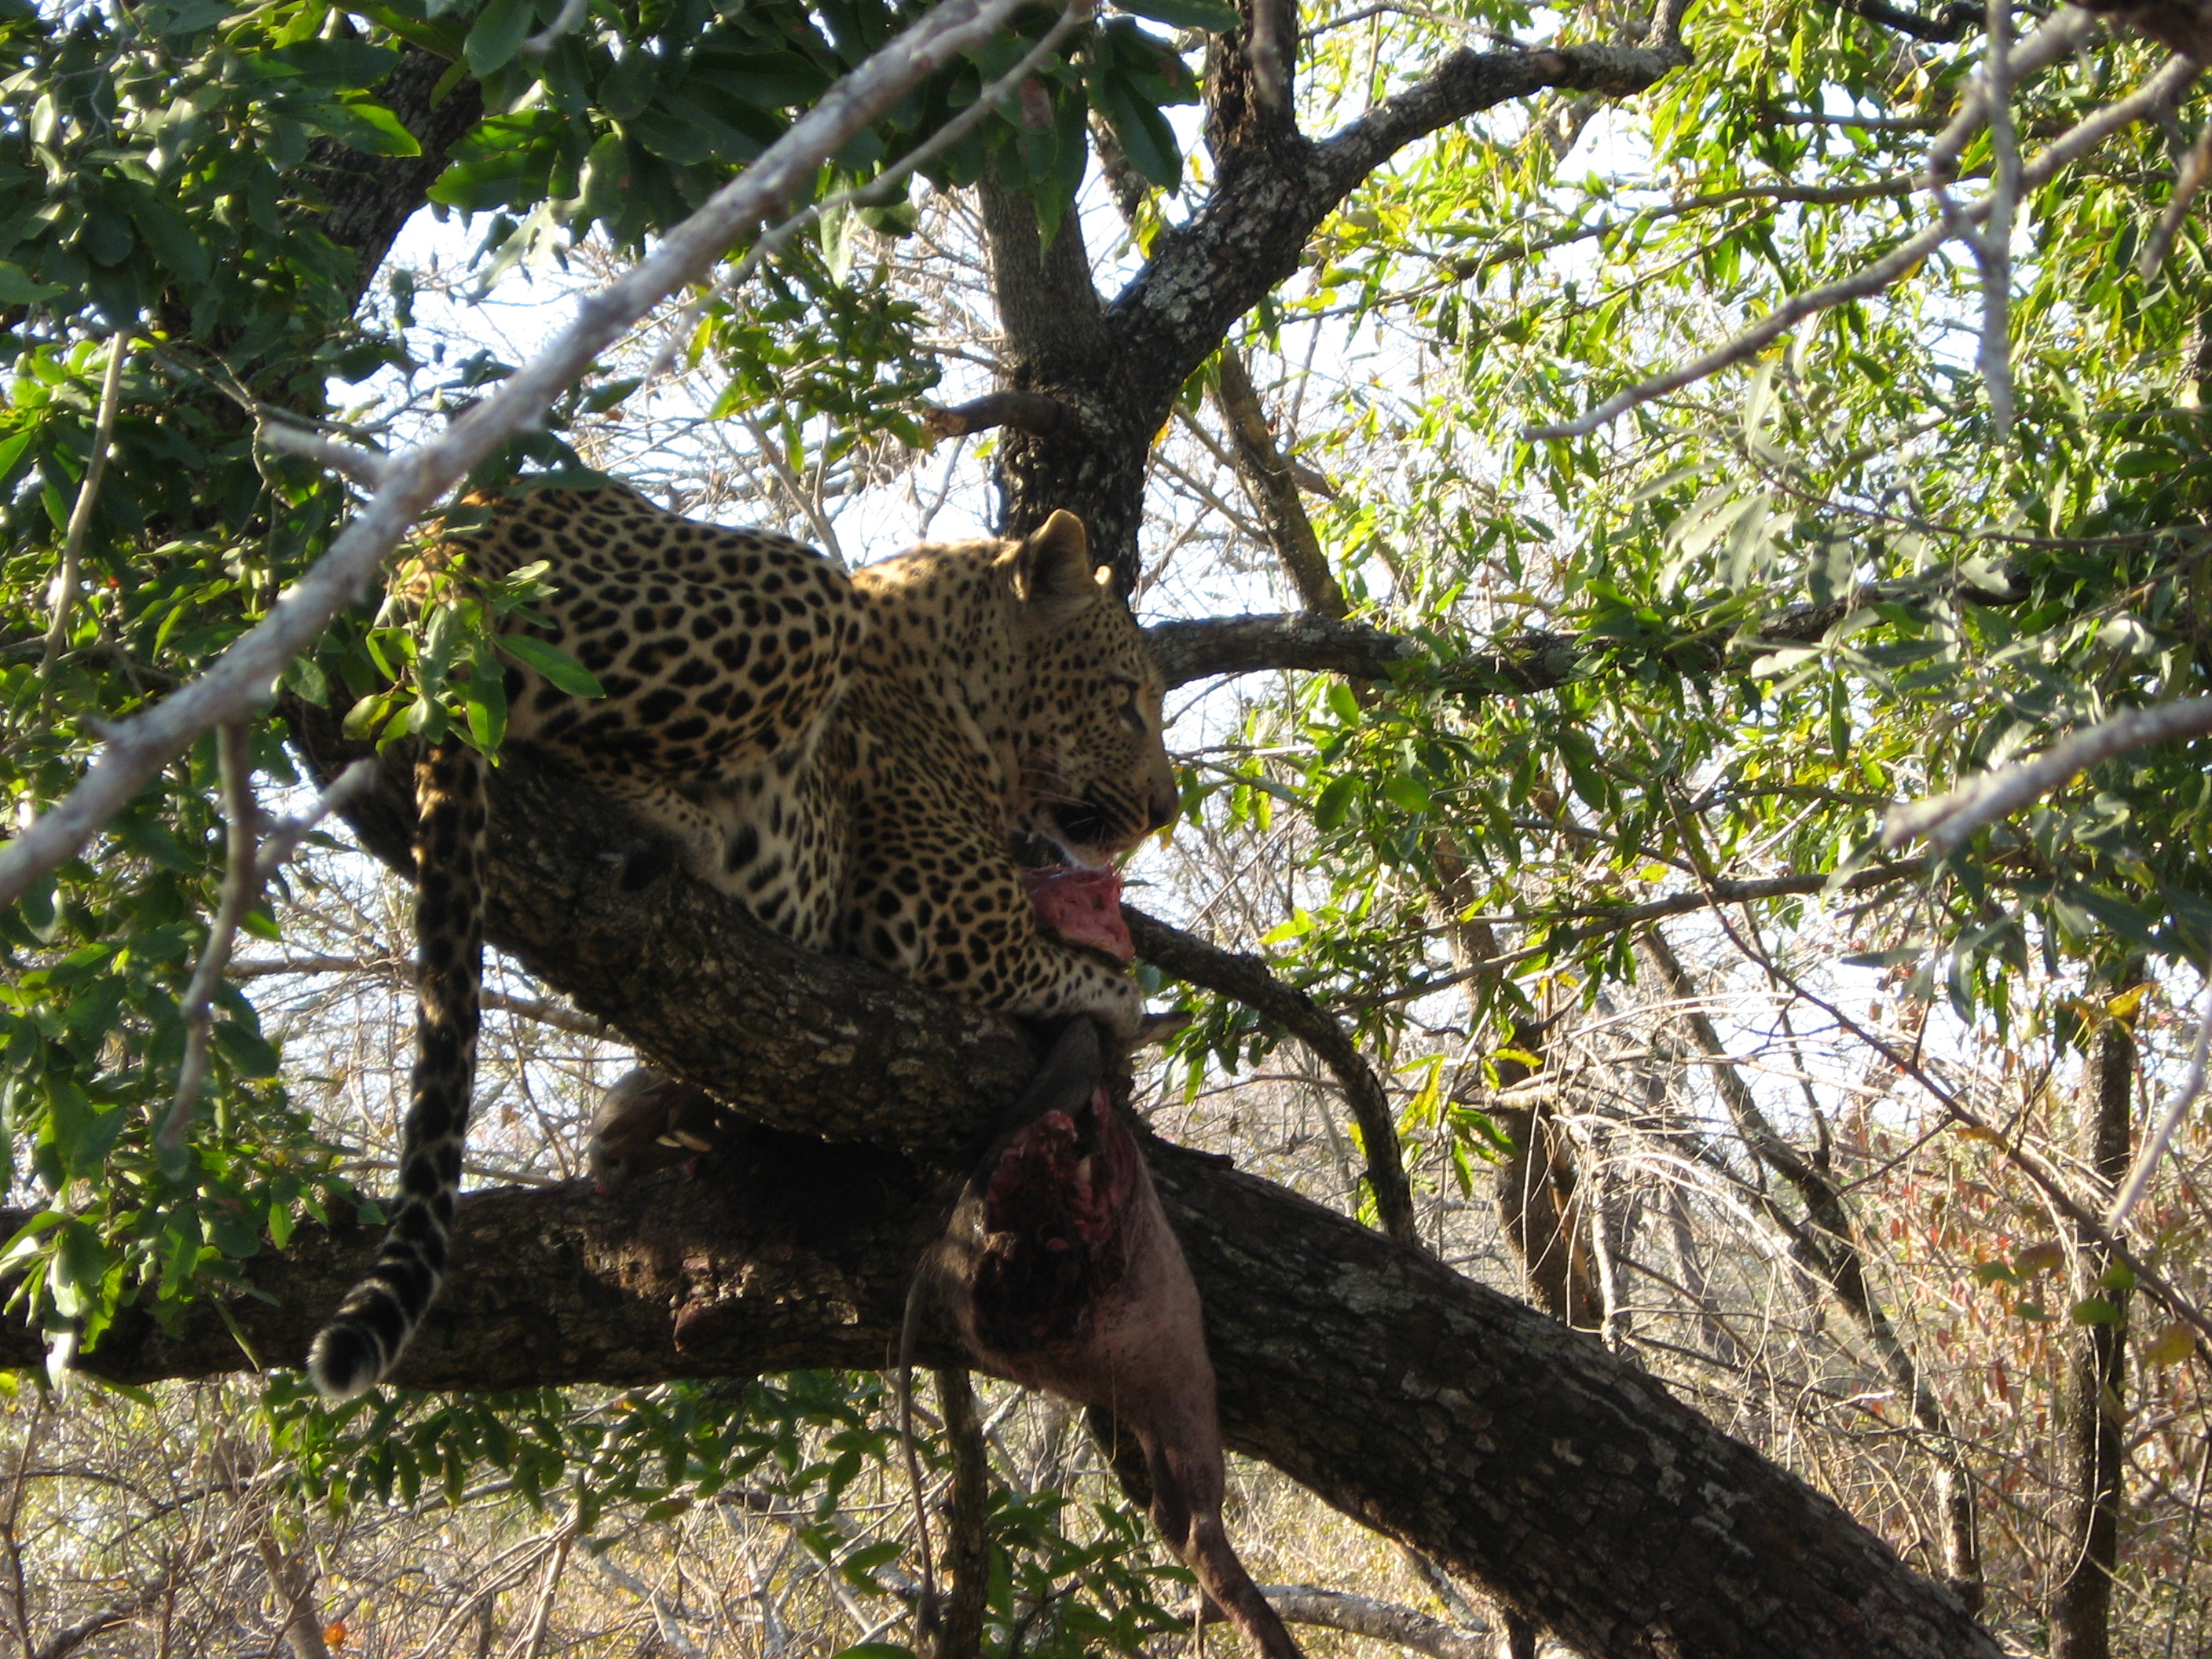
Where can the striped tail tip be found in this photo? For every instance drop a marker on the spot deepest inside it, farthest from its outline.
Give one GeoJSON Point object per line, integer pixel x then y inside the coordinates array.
{"type": "Point", "coordinates": [346, 1361]}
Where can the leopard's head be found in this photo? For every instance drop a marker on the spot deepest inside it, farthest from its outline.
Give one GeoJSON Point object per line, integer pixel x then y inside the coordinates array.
{"type": "Point", "coordinates": [1093, 772]}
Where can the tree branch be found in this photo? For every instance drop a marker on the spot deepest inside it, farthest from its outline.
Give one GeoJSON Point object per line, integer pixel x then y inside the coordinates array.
{"type": "Point", "coordinates": [1519, 1454]}
{"type": "Point", "coordinates": [1949, 24]}
{"type": "Point", "coordinates": [1363, 1615]}
{"type": "Point", "coordinates": [1247, 979]}
{"type": "Point", "coordinates": [1026, 412]}
{"type": "Point", "coordinates": [1250, 232]}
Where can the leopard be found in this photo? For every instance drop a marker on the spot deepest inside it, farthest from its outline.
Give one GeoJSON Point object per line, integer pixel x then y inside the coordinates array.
{"type": "Point", "coordinates": [852, 757]}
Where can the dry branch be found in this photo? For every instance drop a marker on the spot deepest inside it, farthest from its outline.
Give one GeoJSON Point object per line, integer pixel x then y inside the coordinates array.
{"type": "Point", "coordinates": [1947, 819]}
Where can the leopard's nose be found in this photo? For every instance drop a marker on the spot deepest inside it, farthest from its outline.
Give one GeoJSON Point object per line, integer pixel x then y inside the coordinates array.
{"type": "Point", "coordinates": [1165, 804]}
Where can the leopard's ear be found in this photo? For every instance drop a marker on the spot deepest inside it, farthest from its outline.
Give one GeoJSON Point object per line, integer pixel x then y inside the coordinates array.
{"type": "Point", "coordinates": [1053, 564]}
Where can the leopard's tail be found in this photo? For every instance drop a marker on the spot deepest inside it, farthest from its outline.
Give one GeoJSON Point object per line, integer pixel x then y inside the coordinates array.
{"type": "Point", "coordinates": [364, 1339]}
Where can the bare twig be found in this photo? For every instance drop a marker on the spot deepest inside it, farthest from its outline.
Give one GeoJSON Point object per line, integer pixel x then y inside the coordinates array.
{"type": "Point", "coordinates": [2153, 1149]}
{"type": "Point", "coordinates": [88, 493]}
{"type": "Point", "coordinates": [665, 1617]}
{"type": "Point", "coordinates": [364, 466]}
{"type": "Point", "coordinates": [247, 873]}
{"type": "Point", "coordinates": [2154, 95]}
{"type": "Point", "coordinates": [2039, 1172]}
{"type": "Point", "coordinates": [1948, 819]}
{"type": "Point", "coordinates": [795, 487]}
{"type": "Point", "coordinates": [417, 478]}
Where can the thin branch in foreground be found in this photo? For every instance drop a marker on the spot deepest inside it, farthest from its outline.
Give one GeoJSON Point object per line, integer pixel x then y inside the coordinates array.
{"type": "Point", "coordinates": [2153, 1149]}
{"type": "Point", "coordinates": [1947, 819]}
{"type": "Point", "coordinates": [2062, 34]}
{"type": "Point", "coordinates": [2168, 83]}
{"type": "Point", "coordinates": [418, 477]}
{"type": "Point", "coordinates": [1992, 245]}
{"type": "Point", "coordinates": [88, 493]}
{"type": "Point", "coordinates": [363, 466]}
{"type": "Point", "coordinates": [246, 875]}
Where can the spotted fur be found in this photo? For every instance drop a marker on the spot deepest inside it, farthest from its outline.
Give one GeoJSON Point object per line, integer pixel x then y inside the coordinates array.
{"type": "Point", "coordinates": [848, 757]}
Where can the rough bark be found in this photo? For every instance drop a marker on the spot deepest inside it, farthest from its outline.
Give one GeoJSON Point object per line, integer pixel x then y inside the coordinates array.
{"type": "Point", "coordinates": [367, 199]}
{"type": "Point", "coordinates": [2092, 1450]}
{"type": "Point", "coordinates": [1524, 1456]}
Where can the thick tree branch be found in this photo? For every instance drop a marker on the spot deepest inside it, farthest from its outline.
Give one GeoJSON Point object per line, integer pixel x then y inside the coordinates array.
{"type": "Point", "coordinates": [1273, 487]}
{"type": "Point", "coordinates": [1949, 24]}
{"type": "Point", "coordinates": [1456, 1420]}
{"type": "Point", "coordinates": [1026, 411]}
{"type": "Point", "coordinates": [1534, 660]}
{"type": "Point", "coordinates": [1249, 234]}
{"type": "Point", "coordinates": [1519, 1454]}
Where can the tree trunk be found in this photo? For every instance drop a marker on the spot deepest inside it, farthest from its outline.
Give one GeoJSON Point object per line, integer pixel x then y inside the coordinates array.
{"type": "Point", "coordinates": [2090, 1390]}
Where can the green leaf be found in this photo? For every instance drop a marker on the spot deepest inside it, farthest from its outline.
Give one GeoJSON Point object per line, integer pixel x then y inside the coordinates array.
{"type": "Point", "coordinates": [17, 287]}
{"type": "Point", "coordinates": [1334, 802]}
{"type": "Point", "coordinates": [1143, 132]}
{"type": "Point", "coordinates": [352, 65]}
{"type": "Point", "coordinates": [497, 34]}
{"type": "Point", "coordinates": [369, 128]}
{"type": "Point", "coordinates": [81, 1263]}
{"type": "Point", "coordinates": [1409, 792]}
{"type": "Point", "coordinates": [553, 664]}
{"type": "Point", "coordinates": [170, 236]}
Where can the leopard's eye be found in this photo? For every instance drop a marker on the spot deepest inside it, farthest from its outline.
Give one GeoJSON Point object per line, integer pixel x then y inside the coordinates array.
{"type": "Point", "coordinates": [1131, 710]}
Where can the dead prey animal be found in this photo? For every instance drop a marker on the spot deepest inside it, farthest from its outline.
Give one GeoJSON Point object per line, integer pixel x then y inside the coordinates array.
{"type": "Point", "coordinates": [1059, 1270]}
